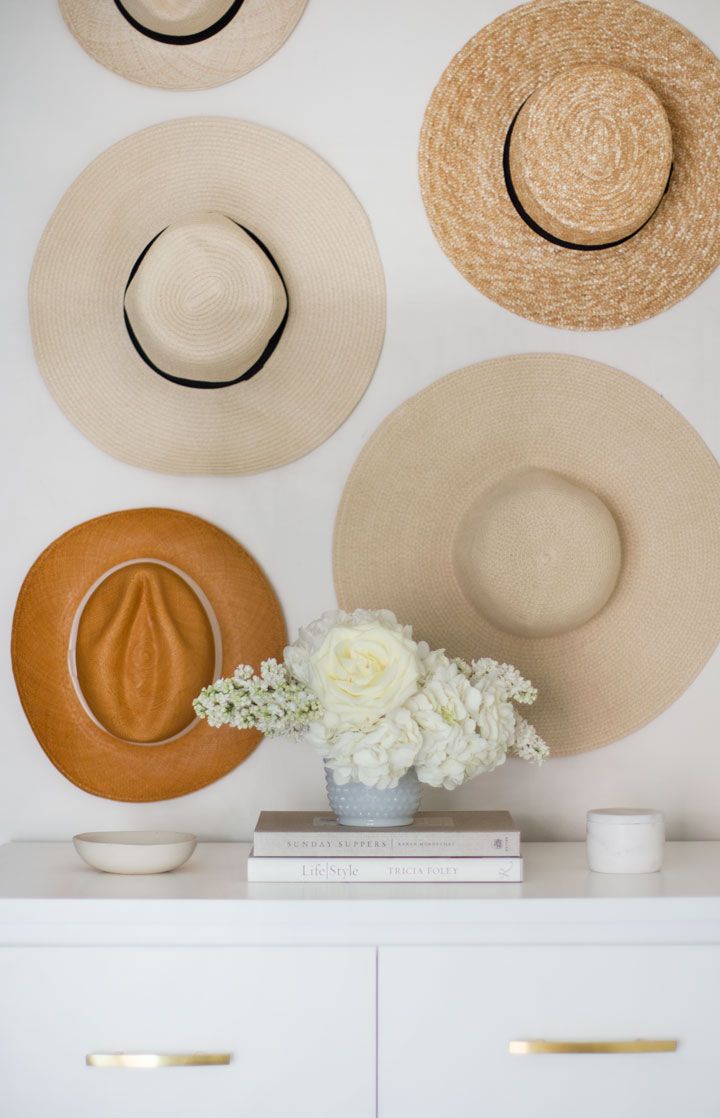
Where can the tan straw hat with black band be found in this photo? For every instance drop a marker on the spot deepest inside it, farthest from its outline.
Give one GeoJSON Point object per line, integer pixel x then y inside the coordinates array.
{"type": "Point", "coordinates": [208, 298]}
{"type": "Point", "coordinates": [181, 44]}
{"type": "Point", "coordinates": [570, 162]}
{"type": "Point", "coordinates": [118, 625]}
{"type": "Point", "coordinates": [553, 513]}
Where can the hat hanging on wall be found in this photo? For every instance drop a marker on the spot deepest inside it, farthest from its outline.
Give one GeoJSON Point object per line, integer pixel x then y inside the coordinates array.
{"type": "Point", "coordinates": [208, 298]}
{"type": "Point", "coordinates": [181, 44]}
{"type": "Point", "coordinates": [570, 162]}
{"type": "Point", "coordinates": [553, 513]}
{"type": "Point", "coordinates": [118, 625]}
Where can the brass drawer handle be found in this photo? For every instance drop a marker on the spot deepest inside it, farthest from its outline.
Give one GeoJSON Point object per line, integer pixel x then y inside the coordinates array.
{"type": "Point", "coordinates": [156, 1059]}
{"type": "Point", "coordinates": [574, 1047]}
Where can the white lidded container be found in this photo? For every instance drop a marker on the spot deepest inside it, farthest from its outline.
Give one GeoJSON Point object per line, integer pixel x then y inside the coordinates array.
{"type": "Point", "coordinates": [625, 839]}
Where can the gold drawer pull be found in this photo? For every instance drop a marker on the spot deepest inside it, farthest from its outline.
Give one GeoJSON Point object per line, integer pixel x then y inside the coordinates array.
{"type": "Point", "coordinates": [156, 1059]}
{"type": "Point", "coordinates": [550, 1047]}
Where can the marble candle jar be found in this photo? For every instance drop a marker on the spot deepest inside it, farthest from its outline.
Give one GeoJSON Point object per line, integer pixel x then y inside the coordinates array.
{"type": "Point", "coordinates": [625, 840]}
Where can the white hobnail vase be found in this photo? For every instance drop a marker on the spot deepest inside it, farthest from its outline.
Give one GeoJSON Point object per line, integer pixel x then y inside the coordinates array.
{"type": "Point", "coordinates": [356, 805]}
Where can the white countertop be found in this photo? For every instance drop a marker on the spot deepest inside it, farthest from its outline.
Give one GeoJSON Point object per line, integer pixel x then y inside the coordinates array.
{"type": "Point", "coordinates": [48, 895]}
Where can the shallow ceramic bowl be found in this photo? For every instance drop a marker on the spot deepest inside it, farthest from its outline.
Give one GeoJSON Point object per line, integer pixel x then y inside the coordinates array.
{"type": "Point", "coordinates": [135, 851]}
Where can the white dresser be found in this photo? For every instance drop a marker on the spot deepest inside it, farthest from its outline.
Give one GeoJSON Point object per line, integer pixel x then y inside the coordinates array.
{"type": "Point", "coordinates": [317, 1001]}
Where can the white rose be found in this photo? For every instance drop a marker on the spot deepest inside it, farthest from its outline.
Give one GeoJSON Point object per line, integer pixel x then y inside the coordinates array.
{"type": "Point", "coordinates": [360, 666]}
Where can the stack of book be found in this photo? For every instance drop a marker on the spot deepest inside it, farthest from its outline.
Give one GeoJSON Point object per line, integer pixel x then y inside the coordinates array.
{"type": "Point", "coordinates": [438, 846]}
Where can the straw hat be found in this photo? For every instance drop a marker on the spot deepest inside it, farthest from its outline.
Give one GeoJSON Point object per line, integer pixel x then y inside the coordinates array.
{"type": "Point", "coordinates": [570, 162]}
{"type": "Point", "coordinates": [553, 513]}
{"type": "Point", "coordinates": [181, 44]}
{"type": "Point", "coordinates": [118, 625]}
{"type": "Point", "coordinates": [208, 298]}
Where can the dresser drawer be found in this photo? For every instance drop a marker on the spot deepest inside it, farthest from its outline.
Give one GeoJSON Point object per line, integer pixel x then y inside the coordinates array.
{"type": "Point", "coordinates": [298, 1025]}
{"type": "Point", "coordinates": [448, 1016]}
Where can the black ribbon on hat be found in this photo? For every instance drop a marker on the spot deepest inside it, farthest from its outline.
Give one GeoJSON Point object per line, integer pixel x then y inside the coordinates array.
{"type": "Point", "coordinates": [543, 232]}
{"type": "Point", "coordinates": [182, 40]}
{"type": "Point", "coordinates": [254, 368]}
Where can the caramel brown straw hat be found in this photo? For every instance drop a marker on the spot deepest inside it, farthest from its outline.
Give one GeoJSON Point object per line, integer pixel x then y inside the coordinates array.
{"type": "Point", "coordinates": [181, 44]}
{"type": "Point", "coordinates": [570, 162]}
{"type": "Point", "coordinates": [208, 298]}
{"type": "Point", "coordinates": [553, 513]}
{"type": "Point", "coordinates": [118, 625]}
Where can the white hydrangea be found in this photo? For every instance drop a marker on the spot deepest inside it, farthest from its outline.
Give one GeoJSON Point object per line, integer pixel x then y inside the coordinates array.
{"type": "Point", "coordinates": [377, 757]}
{"type": "Point", "coordinates": [466, 730]}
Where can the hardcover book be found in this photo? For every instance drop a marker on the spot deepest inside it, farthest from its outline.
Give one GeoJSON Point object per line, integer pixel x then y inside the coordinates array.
{"type": "Point", "coordinates": [433, 834]}
{"type": "Point", "coordinates": [393, 870]}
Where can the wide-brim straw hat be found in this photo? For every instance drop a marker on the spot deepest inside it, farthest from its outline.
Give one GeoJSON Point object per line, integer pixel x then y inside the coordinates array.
{"type": "Point", "coordinates": [184, 44]}
{"type": "Point", "coordinates": [208, 298]}
{"type": "Point", "coordinates": [570, 162]}
{"type": "Point", "coordinates": [118, 625]}
{"type": "Point", "coordinates": [552, 513]}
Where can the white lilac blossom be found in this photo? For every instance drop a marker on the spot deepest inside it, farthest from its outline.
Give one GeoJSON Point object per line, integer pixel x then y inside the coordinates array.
{"type": "Point", "coordinates": [503, 677]}
{"type": "Point", "coordinates": [375, 703]}
{"type": "Point", "coordinates": [528, 744]}
{"type": "Point", "coordinates": [273, 702]}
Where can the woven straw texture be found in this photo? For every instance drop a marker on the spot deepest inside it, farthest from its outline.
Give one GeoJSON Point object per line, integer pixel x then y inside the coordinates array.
{"type": "Point", "coordinates": [205, 300]}
{"type": "Point", "coordinates": [256, 32]}
{"type": "Point", "coordinates": [590, 154]}
{"type": "Point", "coordinates": [317, 232]}
{"type": "Point", "coordinates": [587, 145]}
{"type": "Point", "coordinates": [401, 537]}
{"type": "Point", "coordinates": [142, 647]}
{"type": "Point", "coordinates": [139, 618]}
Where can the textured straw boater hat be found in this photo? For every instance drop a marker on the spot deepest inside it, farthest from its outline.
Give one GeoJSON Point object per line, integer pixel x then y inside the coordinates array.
{"type": "Point", "coordinates": [181, 44]}
{"type": "Point", "coordinates": [118, 625]}
{"type": "Point", "coordinates": [570, 162]}
{"type": "Point", "coordinates": [553, 513]}
{"type": "Point", "coordinates": [208, 298]}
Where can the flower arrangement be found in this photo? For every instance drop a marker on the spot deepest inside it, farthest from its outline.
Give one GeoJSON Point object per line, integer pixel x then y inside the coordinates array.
{"type": "Point", "coordinates": [377, 703]}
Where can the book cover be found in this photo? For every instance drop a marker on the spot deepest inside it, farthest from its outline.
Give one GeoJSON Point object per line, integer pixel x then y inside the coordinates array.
{"type": "Point", "coordinates": [459, 834]}
{"type": "Point", "coordinates": [392, 870]}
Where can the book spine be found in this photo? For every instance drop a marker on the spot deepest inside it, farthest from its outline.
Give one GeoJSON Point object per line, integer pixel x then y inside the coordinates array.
{"type": "Point", "coordinates": [365, 844]}
{"type": "Point", "coordinates": [417, 870]}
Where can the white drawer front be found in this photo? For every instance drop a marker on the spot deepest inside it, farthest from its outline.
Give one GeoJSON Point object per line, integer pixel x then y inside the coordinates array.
{"type": "Point", "coordinates": [448, 1014]}
{"type": "Point", "coordinates": [298, 1024]}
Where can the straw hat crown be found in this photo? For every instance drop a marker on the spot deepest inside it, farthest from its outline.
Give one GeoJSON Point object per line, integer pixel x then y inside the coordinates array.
{"type": "Point", "coordinates": [177, 19]}
{"type": "Point", "coordinates": [144, 643]}
{"type": "Point", "coordinates": [590, 154]}
{"type": "Point", "coordinates": [205, 300]}
{"type": "Point", "coordinates": [537, 554]}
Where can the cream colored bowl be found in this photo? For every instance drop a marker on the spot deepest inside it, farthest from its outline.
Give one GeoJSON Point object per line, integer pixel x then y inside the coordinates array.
{"type": "Point", "coordinates": [135, 851]}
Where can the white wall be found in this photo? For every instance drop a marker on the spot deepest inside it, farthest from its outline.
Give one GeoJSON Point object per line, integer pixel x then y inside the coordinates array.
{"type": "Point", "coordinates": [352, 83]}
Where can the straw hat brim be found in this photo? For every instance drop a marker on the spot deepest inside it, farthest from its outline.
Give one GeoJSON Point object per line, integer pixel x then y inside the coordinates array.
{"type": "Point", "coordinates": [463, 183]}
{"type": "Point", "coordinates": [320, 237]}
{"type": "Point", "coordinates": [251, 628]}
{"type": "Point", "coordinates": [252, 36]}
{"type": "Point", "coordinates": [600, 428]}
